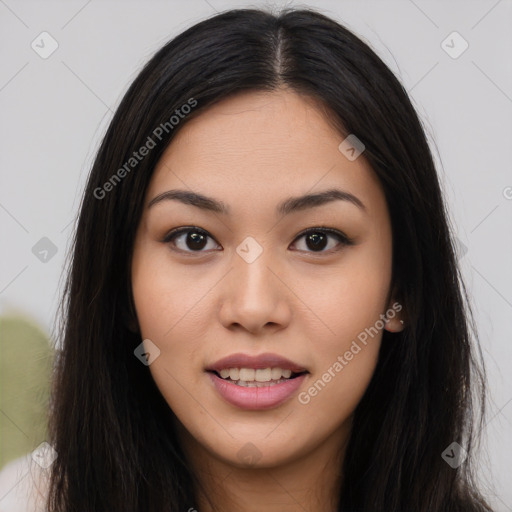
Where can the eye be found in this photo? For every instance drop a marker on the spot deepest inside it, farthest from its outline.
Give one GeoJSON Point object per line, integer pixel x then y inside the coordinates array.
{"type": "Point", "coordinates": [317, 239]}
{"type": "Point", "coordinates": [192, 238]}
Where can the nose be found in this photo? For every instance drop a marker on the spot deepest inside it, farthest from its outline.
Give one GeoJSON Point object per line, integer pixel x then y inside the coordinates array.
{"type": "Point", "coordinates": [255, 298]}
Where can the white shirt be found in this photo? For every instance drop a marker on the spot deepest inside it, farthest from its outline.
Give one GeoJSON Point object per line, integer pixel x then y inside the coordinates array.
{"type": "Point", "coordinates": [23, 485]}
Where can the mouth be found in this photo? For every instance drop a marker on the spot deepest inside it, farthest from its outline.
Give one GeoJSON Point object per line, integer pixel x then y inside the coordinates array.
{"type": "Point", "coordinates": [254, 395]}
{"type": "Point", "coordinates": [256, 382]}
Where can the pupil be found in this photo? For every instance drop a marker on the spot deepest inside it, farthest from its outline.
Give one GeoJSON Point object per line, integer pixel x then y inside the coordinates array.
{"type": "Point", "coordinates": [196, 240]}
{"type": "Point", "coordinates": [316, 240]}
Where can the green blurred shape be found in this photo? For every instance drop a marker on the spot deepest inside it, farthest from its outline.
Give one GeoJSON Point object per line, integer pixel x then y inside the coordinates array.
{"type": "Point", "coordinates": [26, 359]}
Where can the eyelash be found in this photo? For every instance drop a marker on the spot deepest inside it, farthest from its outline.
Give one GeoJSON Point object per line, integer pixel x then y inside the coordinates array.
{"type": "Point", "coordinates": [342, 238]}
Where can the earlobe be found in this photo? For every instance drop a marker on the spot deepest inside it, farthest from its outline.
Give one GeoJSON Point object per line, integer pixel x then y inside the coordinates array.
{"type": "Point", "coordinates": [395, 317]}
{"type": "Point", "coordinates": [394, 325]}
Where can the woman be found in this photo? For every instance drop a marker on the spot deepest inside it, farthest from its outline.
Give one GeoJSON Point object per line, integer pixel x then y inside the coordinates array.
{"type": "Point", "coordinates": [264, 310]}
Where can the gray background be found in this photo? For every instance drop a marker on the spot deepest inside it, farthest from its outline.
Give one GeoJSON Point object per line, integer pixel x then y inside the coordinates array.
{"type": "Point", "coordinates": [55, 110]}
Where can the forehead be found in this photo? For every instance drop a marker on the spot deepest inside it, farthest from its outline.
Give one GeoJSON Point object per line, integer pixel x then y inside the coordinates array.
{"type": "Point", "coordinates": [266, 145]}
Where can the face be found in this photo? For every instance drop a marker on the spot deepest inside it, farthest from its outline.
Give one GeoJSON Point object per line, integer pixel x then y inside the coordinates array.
{"type": "Point", "coordinates": [300, 285]}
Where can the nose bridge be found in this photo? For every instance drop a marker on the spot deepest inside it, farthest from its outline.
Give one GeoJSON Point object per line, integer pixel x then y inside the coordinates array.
{"type": "Point", "coordinates": [254, 296]}
{"type": "Point", "coordinates": [252, 275]}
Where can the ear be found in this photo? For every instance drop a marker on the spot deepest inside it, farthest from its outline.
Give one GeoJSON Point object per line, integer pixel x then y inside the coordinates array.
{"type": "Point", "coordinates": [395, 316]}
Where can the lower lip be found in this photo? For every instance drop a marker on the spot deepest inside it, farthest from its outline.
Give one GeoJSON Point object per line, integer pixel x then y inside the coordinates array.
{"type": "Point", "coordinates": [254, 398]}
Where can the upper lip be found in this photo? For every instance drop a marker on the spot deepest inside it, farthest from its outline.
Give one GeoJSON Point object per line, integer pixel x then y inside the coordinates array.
{"type": "Point", "coordinates": [266, 360]}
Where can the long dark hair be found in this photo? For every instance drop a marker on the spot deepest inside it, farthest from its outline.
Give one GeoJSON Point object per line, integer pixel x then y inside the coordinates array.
{"type": "Point", "coordinates": [108, 422]}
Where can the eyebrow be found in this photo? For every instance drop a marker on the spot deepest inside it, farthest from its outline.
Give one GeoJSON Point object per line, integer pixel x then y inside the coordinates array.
{"type": "Point", "coordinates": [292, 204]}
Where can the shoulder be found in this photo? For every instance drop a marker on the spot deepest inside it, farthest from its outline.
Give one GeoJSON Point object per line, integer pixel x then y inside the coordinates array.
{"type": "Point", "coordinates": [23, 485]}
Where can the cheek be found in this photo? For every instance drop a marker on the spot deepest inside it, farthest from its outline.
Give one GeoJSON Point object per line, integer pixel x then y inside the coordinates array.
{"type": "Point", "coordinates": [167, 298]}
{"type": "Point", "coordinates": [346, 341]}
{"type": "Point", "coordinates": [346, 357]}
{"type": "Point", "coordinates": [351, 299]}
{"type": "Point", "coordinates": [169, 314]}
{"type": "Point", "coordinates": [165, 309]}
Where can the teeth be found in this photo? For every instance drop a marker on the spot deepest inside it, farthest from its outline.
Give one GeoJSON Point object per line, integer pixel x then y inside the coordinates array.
{"type": "Point", "coordinates": [277, 373]}
{"type": "Point", "coordinates": [250, 375]}
{"type": "Point", "coordinates": [263, 375]}
{"type": "Point", "coordinates": [246, 374]}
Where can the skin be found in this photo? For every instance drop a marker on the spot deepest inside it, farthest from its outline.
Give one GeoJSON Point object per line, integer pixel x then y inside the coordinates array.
{"type": "Point", "coordinates": [252, 151]}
